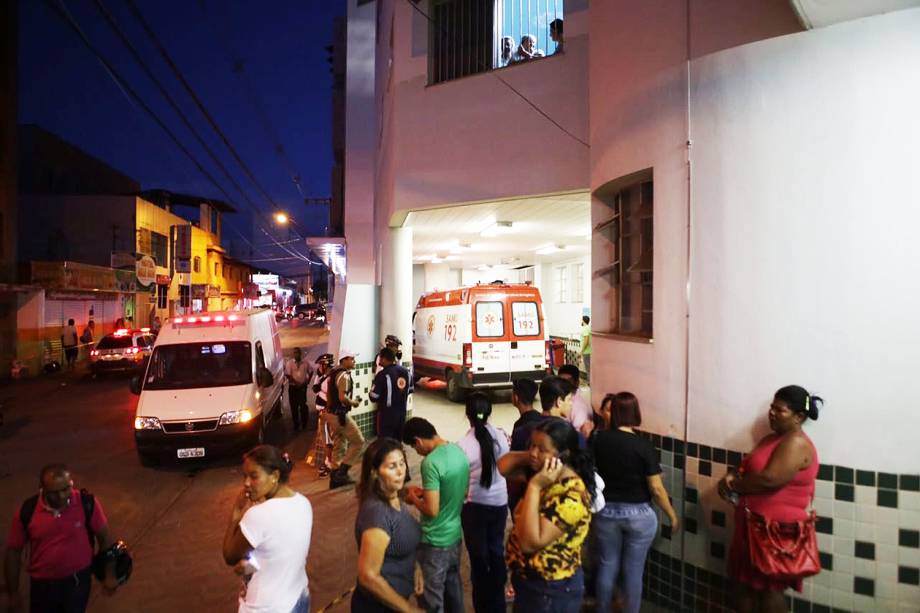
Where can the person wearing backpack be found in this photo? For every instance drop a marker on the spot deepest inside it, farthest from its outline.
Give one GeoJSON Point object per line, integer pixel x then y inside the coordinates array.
{"type": "Point", "coordinates": [61, 525]}
{"type": "Point", "coordinates": [347, 438]}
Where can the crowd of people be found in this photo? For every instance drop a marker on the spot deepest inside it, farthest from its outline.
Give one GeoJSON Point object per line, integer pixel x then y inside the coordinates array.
{"type": "Point", "coordinates": [578, 484]}
{"type": "Point", "coordinates": [511, 52]}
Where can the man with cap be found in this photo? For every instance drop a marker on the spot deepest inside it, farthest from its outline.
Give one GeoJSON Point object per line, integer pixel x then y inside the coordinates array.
{"type": "Point", "coordinates": [390, 390]}
{"type": "Point", "coordinates": [348, 442]}
{"type": "Point", "coordinates": [393, 343]}
{"type": "Point", "coordinates": [322, 448]}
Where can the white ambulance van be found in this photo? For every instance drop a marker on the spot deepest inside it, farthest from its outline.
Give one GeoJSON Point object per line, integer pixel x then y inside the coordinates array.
{"type": "Point", "coordinates": [480, 337]}
{"type": "Point", "coordinates": [211, 385]}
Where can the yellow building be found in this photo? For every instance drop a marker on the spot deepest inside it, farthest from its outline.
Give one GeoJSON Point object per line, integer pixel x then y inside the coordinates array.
{"type": "Point", "coordinates": [208, 280]}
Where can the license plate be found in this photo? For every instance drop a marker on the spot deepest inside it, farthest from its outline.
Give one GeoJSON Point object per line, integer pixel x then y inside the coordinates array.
{"type": "Point", "coordinates": [192, 452]}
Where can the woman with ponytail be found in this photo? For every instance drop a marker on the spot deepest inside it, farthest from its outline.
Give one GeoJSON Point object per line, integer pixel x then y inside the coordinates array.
{"type": "Point", "coordinates": [268, 537]}
{"type": "Point", "coordinates": [775, 484]}
{"type": "Point", "coordinates": [551, 522]}
{"type": "Point", "coordinates": [486, 509]}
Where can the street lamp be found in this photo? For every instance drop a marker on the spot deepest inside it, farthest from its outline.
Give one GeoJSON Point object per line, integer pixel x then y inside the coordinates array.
{"type": "Point", "coordinates": [281, 217]}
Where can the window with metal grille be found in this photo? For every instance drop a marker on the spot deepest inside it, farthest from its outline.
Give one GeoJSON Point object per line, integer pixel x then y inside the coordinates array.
{"type": "Point", "coordinates": [162, 293]}
{"type": "Point", "coordinates": [158, 247]}
{"type": "Point", "coordinates": [468, 37]}
{"type": "Point", "coordinates": [185, 296]}
{"type": "Point", "coordinates": [625, 240]}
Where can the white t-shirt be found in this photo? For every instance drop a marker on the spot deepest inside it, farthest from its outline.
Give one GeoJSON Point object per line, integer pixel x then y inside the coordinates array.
{"type": "Point", "coordinates": [279, 531]}
{"type": "Point", "coordinates": [497, 494]}
{"type": "Point", "coordinates": [581, 409]}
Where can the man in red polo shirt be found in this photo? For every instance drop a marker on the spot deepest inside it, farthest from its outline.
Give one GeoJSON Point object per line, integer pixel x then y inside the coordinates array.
{"type": "Point", "coordinates": [61, 553]}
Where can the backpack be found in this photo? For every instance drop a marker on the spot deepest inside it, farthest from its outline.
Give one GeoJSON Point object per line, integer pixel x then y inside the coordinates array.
{"type": "Point", "coordinates": [87, 501]}
{"type": "Point", "coordinates": [332, 398]}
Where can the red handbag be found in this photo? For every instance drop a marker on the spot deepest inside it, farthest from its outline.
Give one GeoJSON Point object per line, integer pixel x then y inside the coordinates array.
{"type": "Point", "coordinates": [783, 550]}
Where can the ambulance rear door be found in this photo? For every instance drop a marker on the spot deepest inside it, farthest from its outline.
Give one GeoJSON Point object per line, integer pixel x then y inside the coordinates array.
{"type": "Point", "coordinates": [527, 347]}
{"type": "Point", "coordinates": [489, 357]}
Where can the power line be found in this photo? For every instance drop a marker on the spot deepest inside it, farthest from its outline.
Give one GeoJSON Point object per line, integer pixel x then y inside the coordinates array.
{"type": "Point", "coordinates": [201, 106]}
{"type": "Point", "coordinates": [489, 70]}
{"type": "Point", "coordinates": [164, 53]}
{"type": "Point", "coordinates": [58, 7]}
{"type": "Point", "coordinates": [163, 91]}
{"type": "Point", "coordinates": [238, 69]}
{"type": "Point", "coordinates": [169, 99]}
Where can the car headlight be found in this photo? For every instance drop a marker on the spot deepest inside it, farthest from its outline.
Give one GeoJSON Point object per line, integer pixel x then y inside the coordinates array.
{"type": "Point", "coordinates": [235, 417]}
{"type": "Point", "coordinates": [147, 423]}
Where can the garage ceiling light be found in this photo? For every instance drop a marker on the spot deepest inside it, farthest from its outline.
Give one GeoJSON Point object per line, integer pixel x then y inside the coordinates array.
{"type": "Point", "coordinates": [548, 249]}
{"type": "Point", "coordinates": [497, 228]}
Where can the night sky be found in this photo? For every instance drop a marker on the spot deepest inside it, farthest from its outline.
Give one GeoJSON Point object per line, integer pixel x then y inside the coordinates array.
{"type": "Point", "coordinates": [284, 98]}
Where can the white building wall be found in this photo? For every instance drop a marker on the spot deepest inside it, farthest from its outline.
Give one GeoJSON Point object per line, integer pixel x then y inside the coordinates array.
{"type": "Point", "coordinates": [473, 139]}
{"type": "Point", "coordinates": [801, 266]}
{"type": "Point", "coordinates": [562, 309]}
{"type": "Point", "coordinates": [354, 318]}
{"type": "Point", "coordinates": [806, 194]}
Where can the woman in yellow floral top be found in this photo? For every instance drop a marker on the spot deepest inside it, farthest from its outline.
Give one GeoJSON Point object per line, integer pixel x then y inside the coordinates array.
{"type": "Point", "coordinates": [551, 521]}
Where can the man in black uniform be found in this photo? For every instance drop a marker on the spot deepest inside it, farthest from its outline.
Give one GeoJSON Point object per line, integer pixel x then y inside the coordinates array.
{"type": "Point", "coordinates": [393, 343]}
{"type": "Point", "coordinates": [391, 389]}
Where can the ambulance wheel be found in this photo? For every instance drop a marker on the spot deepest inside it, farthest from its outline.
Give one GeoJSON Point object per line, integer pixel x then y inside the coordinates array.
{"type": "Point", "coordinates": [455, 391]}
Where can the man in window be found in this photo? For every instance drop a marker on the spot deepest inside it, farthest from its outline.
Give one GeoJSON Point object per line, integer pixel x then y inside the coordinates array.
{"type": "Point", "coordinates": [555, 33]}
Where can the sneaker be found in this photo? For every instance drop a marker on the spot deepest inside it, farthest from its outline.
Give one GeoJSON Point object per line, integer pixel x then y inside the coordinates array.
{"type": "Point", "coordinates": [323, 472]}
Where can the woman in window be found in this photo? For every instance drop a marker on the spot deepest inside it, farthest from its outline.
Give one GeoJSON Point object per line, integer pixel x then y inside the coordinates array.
{"type": "Point", "coordinates": [626, 526]}
{"type": "Point", "coordinates": [551, 522]}
{"type": "Point", "coordinates": [486, 509]}
{"type": "Point", "coordinates": [268, 537]}
{"type": "Point", "coordinates": [387, 534]}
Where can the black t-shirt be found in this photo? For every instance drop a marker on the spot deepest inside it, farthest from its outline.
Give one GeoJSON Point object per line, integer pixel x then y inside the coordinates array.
{"type": "Point", "coordinates": [523, 428]}
{"type": "Point", "coordinates": [625, 461]}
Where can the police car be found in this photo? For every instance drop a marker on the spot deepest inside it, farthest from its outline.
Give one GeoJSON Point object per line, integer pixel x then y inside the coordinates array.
{"type": "Point", "coordinates": [123, 350]}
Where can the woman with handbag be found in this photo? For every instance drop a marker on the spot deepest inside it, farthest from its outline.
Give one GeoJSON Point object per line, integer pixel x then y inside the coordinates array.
{"type": "Point", "coordinates": [774, 544]}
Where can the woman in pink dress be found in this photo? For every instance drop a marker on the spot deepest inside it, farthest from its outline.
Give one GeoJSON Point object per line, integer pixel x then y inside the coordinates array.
{"type": "Point", "coordinates": [776, 481]}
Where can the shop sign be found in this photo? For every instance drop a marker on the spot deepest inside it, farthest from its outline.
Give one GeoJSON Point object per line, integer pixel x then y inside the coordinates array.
{"type": "Point", "coordinates": [184, 242]}
{"type": "Point", "coordinates": [146, 270]}
{"type": "Point", "coordinates": [126, 280]}
{"type": "Point", "coordinates": [266, 282]}
{"type": "Point", "coordinates": [73, 276]}
{"type": "Point", "coordinates": [213, 291]}
{"type": "Point", "coordinates": [122, 259]}
{"type": "Point", "coordinates": [163, 280]}
{"type": "Point", "coordinates": [183, 266]}
{"type": "Point", "coordinates": [199, 291]}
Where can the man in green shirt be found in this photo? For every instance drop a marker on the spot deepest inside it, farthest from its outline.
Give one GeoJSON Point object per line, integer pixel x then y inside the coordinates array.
{"type": "Point", "coordinates": [445, 480]}
{"type": "Point", "coordinates": [586, 344]}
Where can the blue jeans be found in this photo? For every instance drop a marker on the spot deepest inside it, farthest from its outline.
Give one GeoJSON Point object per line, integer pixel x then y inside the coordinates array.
{"type": "Point", "coordinates": [303, 605]}
{"type": "Point", "coordinates": [484, 535]}
{"type": "Point", "coordinates": [441, 570]}
{"type": "Point", "coordinates": [533, 595]}
{"type": "Point", "coordinates": [624, 533]}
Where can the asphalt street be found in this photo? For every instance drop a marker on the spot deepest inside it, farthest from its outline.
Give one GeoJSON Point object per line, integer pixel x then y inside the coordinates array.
{"type": "Point", "coordinates": [174, 516]}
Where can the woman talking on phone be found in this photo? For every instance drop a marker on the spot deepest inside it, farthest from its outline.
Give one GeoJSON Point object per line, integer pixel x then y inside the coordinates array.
{"type": "Point", "coordinates": [551, 522]}
{"type": "Point", "coordinates": [268, 537]}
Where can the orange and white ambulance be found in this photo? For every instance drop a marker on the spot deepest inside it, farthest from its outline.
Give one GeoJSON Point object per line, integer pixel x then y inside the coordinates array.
{"type": "Point", "coordinates": [480, 337]}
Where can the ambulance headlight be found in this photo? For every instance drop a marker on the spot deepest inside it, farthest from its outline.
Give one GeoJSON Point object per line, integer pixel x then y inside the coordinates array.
{"type": "Point", "coordinates": [236, 417]}
{"type": "Point", "coordinates": [147, 423]}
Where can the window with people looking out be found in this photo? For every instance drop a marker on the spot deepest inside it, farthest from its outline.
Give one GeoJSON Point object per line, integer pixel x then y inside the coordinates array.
{"type": "Point", "coordinates": [468, 37]}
